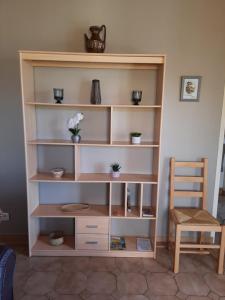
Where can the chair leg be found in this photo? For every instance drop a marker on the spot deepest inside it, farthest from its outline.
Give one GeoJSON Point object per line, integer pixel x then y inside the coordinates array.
{"type": "Point", "coordinates": [222, 249]}
{"type": "Point", "coordinates": [201, 236]}
{"type": "Point", "coordinates": [170, 234]}
{"type": "Point", "coordinates": [177, 250]}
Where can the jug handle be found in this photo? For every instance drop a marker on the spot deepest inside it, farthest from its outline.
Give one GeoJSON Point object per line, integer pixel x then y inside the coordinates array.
{"type": "Point", "coordinates": [104, 34]}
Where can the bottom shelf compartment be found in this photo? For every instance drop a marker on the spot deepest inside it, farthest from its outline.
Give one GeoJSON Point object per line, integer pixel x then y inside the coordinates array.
{"type": "Point", "coordinates": [85, 241]}
{"type": "Point", "coordinates": [129, 243]}
{"type": "Point", "coordinates": [42, 244]}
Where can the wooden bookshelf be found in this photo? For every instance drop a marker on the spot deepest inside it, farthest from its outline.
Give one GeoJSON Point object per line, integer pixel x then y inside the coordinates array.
{"type": "Point", "coordinates": [109, 136]}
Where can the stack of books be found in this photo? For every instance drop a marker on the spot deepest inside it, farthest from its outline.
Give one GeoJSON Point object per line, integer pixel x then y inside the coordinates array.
{"type": "Point", "coordinates": [118, 243]}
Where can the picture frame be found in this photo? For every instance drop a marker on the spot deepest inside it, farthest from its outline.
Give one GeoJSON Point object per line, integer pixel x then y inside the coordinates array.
{"type": "Point", "coordinates": [190, 88]}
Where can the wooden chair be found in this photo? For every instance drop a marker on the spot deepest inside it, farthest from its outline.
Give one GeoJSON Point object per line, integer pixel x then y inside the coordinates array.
{"type": "Point", "coordinates": [192, 219]}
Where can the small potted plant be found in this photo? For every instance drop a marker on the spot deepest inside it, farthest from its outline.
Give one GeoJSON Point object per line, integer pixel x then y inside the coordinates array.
{"type": "Point", "coordinates": [135, 137]}
{"type": "Point", "coordinates": [115, 170]}
{"type": "Point", "coordinates": [73, 126]}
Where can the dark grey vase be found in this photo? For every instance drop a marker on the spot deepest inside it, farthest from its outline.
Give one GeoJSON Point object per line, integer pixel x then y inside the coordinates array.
{"type": "Point", "coordinates": [95, 92]}
{"type": "Point", "coordinates": [76, 138]}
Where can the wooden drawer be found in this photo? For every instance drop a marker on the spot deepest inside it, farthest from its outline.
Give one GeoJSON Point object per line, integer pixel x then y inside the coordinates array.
{"type": "Point", "coordinates": [92, 242]}
{"type": "Point", "coordinates": [92, 225]}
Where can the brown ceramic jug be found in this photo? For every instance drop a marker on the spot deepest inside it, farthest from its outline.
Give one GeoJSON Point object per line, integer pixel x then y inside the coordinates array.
{"type": "Point", "coordinates": [95, 43]}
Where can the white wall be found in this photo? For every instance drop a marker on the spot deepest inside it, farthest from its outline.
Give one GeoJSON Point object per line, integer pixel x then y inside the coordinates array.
{"type": "Point", "coordinates": [190, 32]}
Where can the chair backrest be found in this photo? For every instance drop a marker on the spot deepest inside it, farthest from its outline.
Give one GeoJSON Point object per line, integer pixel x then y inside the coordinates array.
{"type": "Point", "coordinates": [202, 179]}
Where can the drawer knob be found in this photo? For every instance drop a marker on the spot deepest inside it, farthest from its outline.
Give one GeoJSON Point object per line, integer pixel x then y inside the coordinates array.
{"type": "Point", "coordinates": [92, 226]}
{"type": "Point", "coordinates": [91, 242]}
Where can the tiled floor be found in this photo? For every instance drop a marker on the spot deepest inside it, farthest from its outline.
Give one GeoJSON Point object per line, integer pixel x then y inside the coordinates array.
{"type": "Point", "coordinates": [93, 278]}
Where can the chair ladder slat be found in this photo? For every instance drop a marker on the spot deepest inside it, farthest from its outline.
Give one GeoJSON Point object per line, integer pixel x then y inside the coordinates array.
{"type": "Point", "coordinates": [196, 194]}
{"type": "Point", "coordinates": [188, 179]}
{"type": "Point", "coordinates": [189, 164]}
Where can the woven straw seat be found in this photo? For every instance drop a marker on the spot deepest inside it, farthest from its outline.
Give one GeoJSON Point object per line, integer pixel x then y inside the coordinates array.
{"type": "Point", "coordinates": [194, 216]}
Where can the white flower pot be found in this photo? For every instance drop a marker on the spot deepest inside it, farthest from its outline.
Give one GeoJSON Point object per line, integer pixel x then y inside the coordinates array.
{"type": "Point", "coordinates": [136, 139]}
{"type": "Point", "coordinates": [115, 174]}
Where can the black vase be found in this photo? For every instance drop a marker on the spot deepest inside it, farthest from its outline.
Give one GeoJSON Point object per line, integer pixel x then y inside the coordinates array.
{"type": "Point", "coordinates": [95, 92]}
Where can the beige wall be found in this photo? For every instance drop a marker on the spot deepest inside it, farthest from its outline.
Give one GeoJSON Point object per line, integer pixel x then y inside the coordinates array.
{"type": "Point", "coordinates": [190, 32]}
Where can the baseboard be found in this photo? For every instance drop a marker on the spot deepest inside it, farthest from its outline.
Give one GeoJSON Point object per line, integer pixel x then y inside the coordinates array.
{"type": "Point", "coordinates": [19, 240]}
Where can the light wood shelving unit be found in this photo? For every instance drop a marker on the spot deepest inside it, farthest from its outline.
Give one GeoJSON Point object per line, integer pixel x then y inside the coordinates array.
{"type": "Point", "coordinates": [93, 227]}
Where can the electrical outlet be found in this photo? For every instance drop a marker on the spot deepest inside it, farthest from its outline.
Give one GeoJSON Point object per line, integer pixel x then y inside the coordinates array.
{"type": "Point", "coordinates": [4, 216]}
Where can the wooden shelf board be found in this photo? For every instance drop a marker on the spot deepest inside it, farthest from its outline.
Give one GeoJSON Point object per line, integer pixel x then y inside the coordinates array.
{"type": "Point", "coordinates": [128, 144]}
{"type": "Point", "coordinates": [97, 58]}
{"type": "Point", "coordinates": [91, 143]}
{"type": "Point", "coordinates": [96, 177]}
{"type": "Point", "coordinates": [54, 210]}
{"type": "Point", "coordinates": [119, 106]}
{"type": "Point", "coordinates": [67, 142]}
{"type": "Point", "coordinates": [42, 244]}
{"type": "Point", "coordinates": [51, 142]}
{"type": "Point", "coordinates": [106, 177]}
{"type": "Point", "coordinates": [96, 106]}
{"type": "Point", "coordinates": [49, 177]}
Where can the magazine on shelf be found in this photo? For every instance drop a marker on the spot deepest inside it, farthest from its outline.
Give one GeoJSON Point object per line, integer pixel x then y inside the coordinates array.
{"type": "Point", "coordinates": [144, 244]}
{"type": "Point", "coordinates": [147, 212]}
{"type": "Point", "coordinates": [118, 243]}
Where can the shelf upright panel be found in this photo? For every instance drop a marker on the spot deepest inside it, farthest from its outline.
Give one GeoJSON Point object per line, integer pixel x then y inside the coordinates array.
{"type": "Point", "coordinates": [157, 152]}
{"type": "Point", "coordinates": [77, 161]}
{"type": "Point", "coordinates": [30, 131]}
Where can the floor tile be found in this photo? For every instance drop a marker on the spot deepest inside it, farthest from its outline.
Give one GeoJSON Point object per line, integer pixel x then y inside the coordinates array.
{"type": "Point", "coordinates": [32, 297]}
{"type": "Point", "coordinates": [198, 298]}
{"type": "Point", "coordinates": [23, 263]}
{"type": "Point", "coordinates": [100, 297]}
{"type": "Point", "coordinates": [151, 265]}
{"type": "Point", "coordinates": [70, 283]}
{"type": "Point", "coordinates": [129, 264]}
{"type": "Point", "coordinates": [46, 264]}
{"type": "Point", "coordinates": [134, 297]}
{"type": "Point", "coordinates": [131, 283]}
{"type": "Point", "coordinates": [40, 283]}
{"type": "Point", "coordinates": [102, 264]}
{"type": "Point", "coordinates": [161, 284]}
{"type": "Point", "coordinates": [164, 298]}
{"type": "Point", "coordinates": [192, 284]}
{"type": "Point", "coordinates": [181, 295]}
{"type": "Point", "coordinates": [216, 283]}
{"type": "Point", "coordinates": [55, 296]}
{"type": "Point", "coordinates": [75, 264]}
{"type": "Point", "coordinates": [101, 283]}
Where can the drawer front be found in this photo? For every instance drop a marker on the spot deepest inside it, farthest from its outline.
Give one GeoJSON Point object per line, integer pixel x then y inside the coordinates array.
{"type": "Point", "coordinates": [92, 225]}
{"type": "Point", "coordinates": [92, 242]}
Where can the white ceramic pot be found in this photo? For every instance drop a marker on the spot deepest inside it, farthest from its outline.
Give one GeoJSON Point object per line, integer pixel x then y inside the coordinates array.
{"type": "Point", "coordinates": [57, 172]}
{"type": "Point", "coordinates": [115, 174]}
{"type": "Point", "coordinates": [136, 139]}
{"type": "Point", "coordinates": [56, 238]}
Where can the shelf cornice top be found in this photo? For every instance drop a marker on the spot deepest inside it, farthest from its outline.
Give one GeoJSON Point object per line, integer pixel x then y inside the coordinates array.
{"type": "Point", "coordinates": [92, 57]}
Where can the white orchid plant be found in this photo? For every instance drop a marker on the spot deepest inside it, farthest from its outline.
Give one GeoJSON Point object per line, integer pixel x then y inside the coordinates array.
{"type": "Point", "coordinates": [73, 123]}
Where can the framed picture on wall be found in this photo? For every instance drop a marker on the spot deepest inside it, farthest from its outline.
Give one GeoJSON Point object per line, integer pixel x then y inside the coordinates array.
{"type": "Point", "coordinates": [190, 88]}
